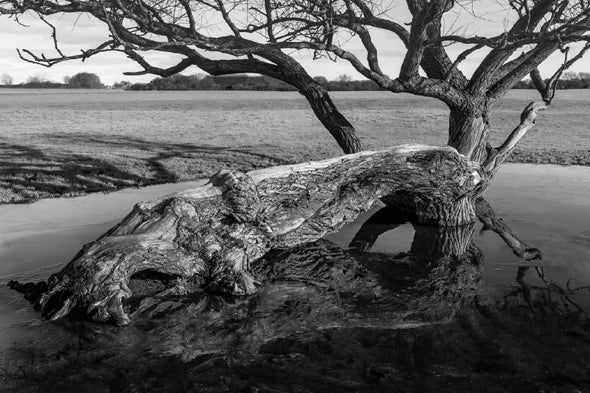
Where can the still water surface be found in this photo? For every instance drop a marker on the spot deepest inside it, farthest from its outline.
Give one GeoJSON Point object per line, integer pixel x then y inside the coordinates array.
{"type": "Point", "coordinates": [382, 303]}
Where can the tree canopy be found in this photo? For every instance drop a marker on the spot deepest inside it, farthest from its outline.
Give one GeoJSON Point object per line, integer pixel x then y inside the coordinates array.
{"type": "Point", "coordinates": [259, 36]}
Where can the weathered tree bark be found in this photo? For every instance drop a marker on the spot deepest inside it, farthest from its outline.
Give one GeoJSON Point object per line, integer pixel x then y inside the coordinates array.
{"type": "Point", "coordinates": [469, 133]}
{"type": "Point", "coordinates": [325, 110]}
{"type": "Point", "coordinates": [497, 156]}
{"type": "Point", "coordinates": [209, 235]}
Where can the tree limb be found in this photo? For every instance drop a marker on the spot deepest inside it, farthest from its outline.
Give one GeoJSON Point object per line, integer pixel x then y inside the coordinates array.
{"type": "Point", "coordinates": [527, 120]}
{"type": "Point", "coordinates": [487, 215]}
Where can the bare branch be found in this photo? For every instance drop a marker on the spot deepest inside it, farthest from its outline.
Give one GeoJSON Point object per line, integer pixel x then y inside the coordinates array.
{"type": "Point", "coordinates": [150, 69]}
{"type": "Point", "coordinates": [53, 35]}
{"type": "Point", "coordinates": [189, 13]}
{"type": "Point", "coordinates": [547, 89]}
{"type": "Point", "coordinates": [269, 18]}
{"type": "Point", "coordinates": [462, 56]}
{"type": "Point", "coordinates": [227, 18]}
{"type": "Point", "coordinates": [487, 215]}
{"type": "Point", "coordinates": [30, 57]}
{"type": "Point", "coordinates": [527, 121]}
{"type": "Point", "coordinates": [504, 49]}
{"type": "Point", "coordinates": [521, 69]}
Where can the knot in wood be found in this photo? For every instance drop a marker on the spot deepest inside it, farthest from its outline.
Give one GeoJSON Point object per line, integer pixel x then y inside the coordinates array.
{"type": "Point", "coordinates": [224, 179]}
{"type": "Point", "coordinates": [240, 194]}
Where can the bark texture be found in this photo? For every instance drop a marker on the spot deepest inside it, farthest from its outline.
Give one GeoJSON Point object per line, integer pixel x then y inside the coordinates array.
{"type": "Point", "coordinates": [469, 133]}
{"type": "Point", "coordinates": [209, 236]}
{"type": "Point", "coordinates": [326, 112]}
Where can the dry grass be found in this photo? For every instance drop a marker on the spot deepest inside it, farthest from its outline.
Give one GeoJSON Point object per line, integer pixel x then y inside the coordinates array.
{"type": "Point", "coordinates": [57, 143]}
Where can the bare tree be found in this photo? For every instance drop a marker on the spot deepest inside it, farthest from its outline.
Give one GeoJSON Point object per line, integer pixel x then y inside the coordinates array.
{"type": "Point", "coordinates": [36, 79]}
{"type": "Point", "coordinates": [6, 80]}
{"type": "Point", "coordinates": [258, 36]}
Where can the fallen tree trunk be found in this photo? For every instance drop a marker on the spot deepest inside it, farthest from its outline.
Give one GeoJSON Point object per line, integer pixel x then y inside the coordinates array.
{"type": "Point", "coordinates": [208, 236]}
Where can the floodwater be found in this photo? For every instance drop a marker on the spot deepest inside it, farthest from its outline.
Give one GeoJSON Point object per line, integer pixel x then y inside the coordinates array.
{"type": "Point", "coordinates": [382, 305]}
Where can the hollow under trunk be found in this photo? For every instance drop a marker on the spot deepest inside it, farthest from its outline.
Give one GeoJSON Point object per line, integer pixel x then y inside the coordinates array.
{"type": "Point", "coordinates": [208, 236]}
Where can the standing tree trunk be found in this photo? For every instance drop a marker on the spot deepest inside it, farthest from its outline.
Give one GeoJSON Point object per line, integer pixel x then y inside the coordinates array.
{"type": "Point", "coordinates": [469, 133]}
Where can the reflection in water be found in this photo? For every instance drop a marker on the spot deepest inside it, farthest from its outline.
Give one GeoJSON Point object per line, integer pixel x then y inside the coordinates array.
{"type": "Point", "coordinates": [329, 318]}
{"type": "Point", "coordinates": [548, 298]}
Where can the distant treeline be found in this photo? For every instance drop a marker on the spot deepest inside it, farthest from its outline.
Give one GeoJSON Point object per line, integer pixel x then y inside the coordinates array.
{"type": "Point", "coordinates": [82, 80]}
{"type": "Point", "coordinates": [239, 82]}
{"type": "Point", "coordinates": [569, 80]}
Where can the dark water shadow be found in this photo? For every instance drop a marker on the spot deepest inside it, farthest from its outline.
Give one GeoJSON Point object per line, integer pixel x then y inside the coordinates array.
{"type": "Point", "coordinates": [330, 318]}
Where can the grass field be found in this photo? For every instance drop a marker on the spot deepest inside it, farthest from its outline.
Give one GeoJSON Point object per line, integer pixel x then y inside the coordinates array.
{"type": "Point", "coordinates": [56, 142]}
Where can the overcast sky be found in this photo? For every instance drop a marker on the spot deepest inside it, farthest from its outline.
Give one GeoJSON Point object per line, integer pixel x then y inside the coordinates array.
{"type": "Point", "coordinates": [80, 32]}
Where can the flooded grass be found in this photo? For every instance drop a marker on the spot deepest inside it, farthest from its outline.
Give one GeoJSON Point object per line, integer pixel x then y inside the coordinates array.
{"type": "Point", "coordinates": [57, 143]}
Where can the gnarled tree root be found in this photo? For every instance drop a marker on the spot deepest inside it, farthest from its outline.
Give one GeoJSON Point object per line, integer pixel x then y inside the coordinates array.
{"type": "Point", "coordinates": [211, 234]}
